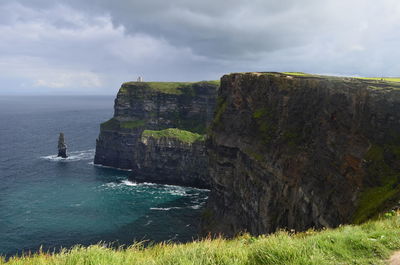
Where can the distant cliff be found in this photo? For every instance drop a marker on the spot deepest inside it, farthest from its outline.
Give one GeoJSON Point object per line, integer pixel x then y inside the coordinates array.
{"type": "Point", "coordinates": [158, 131]}
{"type": "Point", "coordinates": [297, 151]}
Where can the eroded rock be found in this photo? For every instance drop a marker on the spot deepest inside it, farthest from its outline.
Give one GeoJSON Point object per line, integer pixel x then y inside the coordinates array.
{"type": "Point", "coordinates": [301, 152]}
{"type": "Point", "coordinates": [62, 147]}
{"type": "Point", "coordinates": [148, 106]}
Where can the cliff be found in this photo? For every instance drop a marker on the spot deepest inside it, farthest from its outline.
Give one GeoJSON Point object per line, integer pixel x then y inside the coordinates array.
{"type": "Point", "coordinates": [298, 151]}
{"type": "Point", "coordinates": [139, 137]}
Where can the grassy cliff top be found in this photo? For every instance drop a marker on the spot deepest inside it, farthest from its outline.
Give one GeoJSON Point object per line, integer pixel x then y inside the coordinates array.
{"type": "Point", "coordinates": [369, 243]}
{"type": "Point", "coordinates": [383, 79]}
{"type": "Point", "coordinates": [174, 88]}
{"type": "Point", "coordinates": [376, 83]}
{"type": "Point", "coordinates": [182, 135]}
{"type": "Point", "coordinates": [301, 74]}
{"type": "Point", "coordinates": [114, 125]}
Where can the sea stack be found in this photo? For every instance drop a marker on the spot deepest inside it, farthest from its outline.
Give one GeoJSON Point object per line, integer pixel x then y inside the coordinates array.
{"type": "Point", "coordinates": [62, 147]}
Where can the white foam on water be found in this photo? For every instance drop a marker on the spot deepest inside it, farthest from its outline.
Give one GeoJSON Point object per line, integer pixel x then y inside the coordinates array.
{"type": "Point", "coordinates": [176, 190]}
{"type": "Point", "coordinates": [164, 209]}
{"type": "Point", "coordinates": [103, 166]}
{"type": "Point", "coordinates": [123, 183]}
{"type": "Point", "coordinates": [183, 187]}
{"type": "Point", "coordinates": [150, 184]}
{"type": "Point", "coordinates": [129, 183]}
{"type": "Point", "coordinates": [196, 207]}
{"type": "Point", "coordinates": [160, 209]}
{"type": "Point", "coordinates": [110, 185]}
{"type": "Point", "coordinates": [72, 156]}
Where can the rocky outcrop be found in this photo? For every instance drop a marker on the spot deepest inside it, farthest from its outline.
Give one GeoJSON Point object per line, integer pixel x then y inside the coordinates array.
{"type": "Point", "coordinates": [170, 160]}
{"type": "Point", "coordinates": [62, 147]}
{"type": "Point", "coordinates": [299, 151]}
{"type": "Point", "coordinates": [153, 107]}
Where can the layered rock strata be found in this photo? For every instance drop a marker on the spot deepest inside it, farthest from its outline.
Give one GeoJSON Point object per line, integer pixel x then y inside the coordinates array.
{"type": "Point", "coordinates": [62, 147]}
{"type": "Point", "coordinates": [298, 151]}
{"type": "Point", "coordinates": [138, 136]}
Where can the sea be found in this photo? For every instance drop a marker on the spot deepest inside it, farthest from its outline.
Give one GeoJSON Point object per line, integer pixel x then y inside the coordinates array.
{"type": "Point", "coordinates": [51, 203]}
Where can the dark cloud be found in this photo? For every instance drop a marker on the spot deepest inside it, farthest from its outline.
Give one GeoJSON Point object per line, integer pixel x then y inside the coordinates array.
{"type": "Point", "coordinates": [109, 41]}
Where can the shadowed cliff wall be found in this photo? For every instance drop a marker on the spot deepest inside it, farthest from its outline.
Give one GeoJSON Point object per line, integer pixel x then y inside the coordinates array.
{"type": "Point", "coordinates": [296, 152]}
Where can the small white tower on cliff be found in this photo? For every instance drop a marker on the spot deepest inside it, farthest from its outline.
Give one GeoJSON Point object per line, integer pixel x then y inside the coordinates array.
{"type": "Point", "coordinates": [140, 79]}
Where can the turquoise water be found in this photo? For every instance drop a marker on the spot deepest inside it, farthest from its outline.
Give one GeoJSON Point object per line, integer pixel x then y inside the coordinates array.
{"type": "Point", "coordinates": [51, 202]}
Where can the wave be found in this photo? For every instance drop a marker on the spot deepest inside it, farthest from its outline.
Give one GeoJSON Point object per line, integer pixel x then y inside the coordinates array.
{"type": "Point", "coordinates": [179, 187]}
{"type": "Point", "coordinates": [103, 166]}
{"type": "Point", "coordinates": [72, 156]}
{"type": "Point", "coordinates": [124, 182]}
{"type": "Point", "coordinates": [164, 209]}
{"type": "Point", "coordinates": [157, 189]}
{"type": "Point", "coordinates": [194, 207]}
{"type": "Point", "coordinates": [129, 183]}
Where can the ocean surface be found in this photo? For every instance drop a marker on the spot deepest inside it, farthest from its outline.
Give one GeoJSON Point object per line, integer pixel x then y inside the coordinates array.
{"type": "Point", "coordinates": [51, 202]}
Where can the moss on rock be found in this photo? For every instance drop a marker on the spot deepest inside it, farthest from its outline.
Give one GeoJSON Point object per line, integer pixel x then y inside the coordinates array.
{"type": "Point", "coordinates": [182, 135]}
{"type": "Point", "coordinates": [384, 182]}
{"type": "Point", "coordinates": [115, 125]}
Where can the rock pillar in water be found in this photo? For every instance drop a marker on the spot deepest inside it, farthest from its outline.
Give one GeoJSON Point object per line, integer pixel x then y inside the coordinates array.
{"type": "Point", "coordinates": [62, 147]}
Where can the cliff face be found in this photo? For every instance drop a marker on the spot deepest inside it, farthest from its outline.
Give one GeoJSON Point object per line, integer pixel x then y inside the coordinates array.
{"type": "Point", "coordinates": [137, 137]}
{"type": "Point", "coordinates": [296, 152]}
{"type": "Point", "coordinates": [170, 160]}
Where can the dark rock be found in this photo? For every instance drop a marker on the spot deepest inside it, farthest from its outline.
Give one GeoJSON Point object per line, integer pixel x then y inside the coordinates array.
{"type": "Point", "coordinates": [171, 161]}
{"type": "Point", "coordinates": [143, 106]}
{"type": "Point", "coordinates": [62, 147]}
{"type": "Point", "coordinates": [301, 151]}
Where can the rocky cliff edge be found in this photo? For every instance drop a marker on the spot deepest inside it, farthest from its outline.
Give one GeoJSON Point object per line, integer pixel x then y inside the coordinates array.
{"type": "Point", "coordinates": [297, 151]}
{"type": "Point", "coordinates": [158, 132]}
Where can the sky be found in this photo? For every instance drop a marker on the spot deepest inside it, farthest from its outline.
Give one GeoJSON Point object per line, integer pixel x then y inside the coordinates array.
{"type": "Point", "coordinates": [91, 47]}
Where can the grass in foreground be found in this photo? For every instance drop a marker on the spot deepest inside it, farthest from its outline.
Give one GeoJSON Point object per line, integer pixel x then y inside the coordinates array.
{"type": "Point", "coordinates": [369, 243]}
{"type": "Point", "coordinates": [182, 135]}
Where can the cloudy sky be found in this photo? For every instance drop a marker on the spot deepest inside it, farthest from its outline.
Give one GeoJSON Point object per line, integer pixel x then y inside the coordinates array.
{"type": "Point", "coordinates": [91, 47]}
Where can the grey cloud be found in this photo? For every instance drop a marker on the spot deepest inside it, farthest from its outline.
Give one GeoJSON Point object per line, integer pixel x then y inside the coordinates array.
{"type": "Point", "coordinates": [220, 29]}
{"type": "Point", "coordinates": [192, 40]}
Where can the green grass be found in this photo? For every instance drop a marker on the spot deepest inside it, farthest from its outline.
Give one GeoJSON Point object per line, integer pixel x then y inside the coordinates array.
{"type": "Point", "coordinates": [168, 87]}
{"type": "Point", "coordinates": [111, 124]}
{"type": "Point", "coordinates": [375, 199]}
{"type": "Point", "coordinates": [219, 111]}
{"type": "Point", "coordinates": [266, 127]}
{"type": "Point", "coordinates": [182, 135]}
{"type": "Point", "coordinates": [174, 88]}
{"type": "Point", "coordinates": [212, 82]}
{"type": "Point", "coordinates": [132, 124]}
{"type": "Point", "coordinates": [115, 125]}
{"type": "Point", "coordinates": [369, 243]}
{"type": "Point", "coordinates": [297, 73]}
{"type": "Point", "coordinates": [386, 79]}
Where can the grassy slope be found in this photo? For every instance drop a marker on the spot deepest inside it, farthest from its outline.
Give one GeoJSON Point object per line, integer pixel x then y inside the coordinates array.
{"type": "Point", "coordinates": [378, 79]}
{"type": "Point", "coordinates": [389, 79]}
{"type": "Point", "coordinates": [114, 124]}
{"type": "Point", "coordinates": [184, 136]}
{"type": "Point", "coordinates": [168, 87]}
{"type": "Point", "coordinates": [369, 243]}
